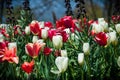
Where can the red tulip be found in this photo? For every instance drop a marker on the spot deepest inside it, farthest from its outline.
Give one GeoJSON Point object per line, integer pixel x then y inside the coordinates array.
{"type": "Point", "coordinates": [57, 53]}
{"type": "Point", "coordinates": [101, 38]}
{"type": "Point", "coordinates": [47, 51]}
{"type": "Point", "coordinates": [64, 36]}
{"type": "Point", "coordinates": [3, 31]}
{"type": "Point", "coordinates": [10, 55]}
{"type": "Point", "coordinates": [48, 24]}
{"type": "Point", "coordinates": [3, 45]}
{"type": "Point", "coordinates": [33, 49]}
{"type": "Point", "coordinates": [28, 67]}
{"type": "Point", "coordinates": [51, 33]}
{"type": "Point", "coordinates": [65, 22]}
{"type": "Point", "coordinates": [34, 27]}
{"type": "Point", "coordinates": [59, 25]}
{"type": "Point", "coordinates": [90, 22]}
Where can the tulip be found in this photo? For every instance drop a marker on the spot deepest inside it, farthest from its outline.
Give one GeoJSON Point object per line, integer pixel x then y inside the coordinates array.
{"type": "Point", "coordinates": [62, 64]}
{"type": "Point", "coordinates": [113, 38]}
{"type": "Point", "coordinates": [51, 33]}
{"type": "Point", "coordinates": [117, 26]}
{"type": "Point", "coordinates": [74, 36]}
{"type": "Point", "coordinates": [97, 28]}
{"type": "Point", "coordinates": [3, 45]}
{"type": "Point", "coordinates": [67, 21]}
{"type": "Point", "coordinates": [41, 24]}
{"type": "Point", "coordinates": [48, 24]}
{"type": "Point", "coordinates": [64, 53]}
{"type": "Point", "coordinates": [33, 49]}
{"type": "Point", "coordinates": [12, 45]}
{"type": "Point", "coordinates": [64, 35]}
{"type": "Point", "coordinates": [57, 53]}
{"type": "Point", "coordinates": [2, 50]}
{"type": "Point", "coordinates": [81, 58]}
{"type": "Point", "coordinates": [44, 33]}
{"type": "Point", "coordinates": [27, 30]}
{"type": "Point", "coordinates": [34, 27]}
{"type": "Point", "coordinates": [86, 48]}
{"type": "Point", "coordinates": [10, 55]}
{"type": "Point", "coordinates": [28, 67]}
{"type": "Point", "coordinates": [118, 61]}
{"type": "Point", "coordinates": [101, 38]}
{"type": "Point", "coordinates": [67, 30]}
{"type": "Point", "coordinates": [57, 41]}
{"type": "Point", "coordinates": [47, 51]}
{"type": "Point", "coordinates": [103, 24]}
{"type": "Point", "coordinates": [34, 39]}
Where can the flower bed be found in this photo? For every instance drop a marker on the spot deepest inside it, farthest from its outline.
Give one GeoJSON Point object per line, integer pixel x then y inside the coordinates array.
{"type": "Point", "coordinates": [69, 50]}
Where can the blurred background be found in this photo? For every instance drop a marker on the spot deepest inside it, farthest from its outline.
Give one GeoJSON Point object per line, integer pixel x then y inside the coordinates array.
{"type": "Point", "coordinates": [48, 10]}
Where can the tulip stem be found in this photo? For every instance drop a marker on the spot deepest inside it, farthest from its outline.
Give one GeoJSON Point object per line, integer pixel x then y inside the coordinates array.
{"type": "Point", "coordinates": [28, 76]}
{"type": "Point", "coordinates": [88, 67]}
{"type": "Point", "coordinates": [82, 72]}
{"type": "Point", "coordinates": [58, 77]}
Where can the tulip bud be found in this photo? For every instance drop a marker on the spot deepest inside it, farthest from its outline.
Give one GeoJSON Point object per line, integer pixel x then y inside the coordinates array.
{"type": "Point", "coordinates": [74, 36]}
{"type": "Point", "coordinates": [27, 30]}
{"type": "Point", "coordinates": [12, 45]}
{"type": "Point", "coordinates": [57, 41]}
{"type": "Point", "coordinates": [1, 38]}
{"type": "Point", "coordinates": [61, 63]}
{"type": "Point", "coordinates": [64, 53]}
{"type": "Point", "coordinates": [28, 67]}
{"type": "Point", "coordinates": [86, 48]}
{"type": "Point", "coordinates": [117, 26]}
{"type": "Point", "coordinates": [41, 24]}
{"type": "Point", "coordinates": [35, 38]}
{"type": "Point", "coordinates": [81, 58]}
{"type": "Point", "coordinates": [113, 38]}
{"type": "Point", "coordinates": [118, 61]}
{"type": "Point", "coordinates": [44, 33]}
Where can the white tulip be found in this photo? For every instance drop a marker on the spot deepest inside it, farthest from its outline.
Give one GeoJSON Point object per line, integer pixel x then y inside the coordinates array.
{"type": "Point", "coordinates": [35, 39]}
{"type": "Point", "coordinates": [64, 53]}
{"type": "Point", "coordinates": [57, 41]}
{"type": "Point", "coordinates": [41, 24]}
{"type": "Point", "coordinates": [61, 63]}
{"type": "Point", "coordinates": [67, 30]}
{"type": "Point", "coordinates": [86, 48]}
{"type": "Point", "coordinates": [12, 45]}
{"type": "Point", "coordinates": [118, 61]}
{"type": "Point", "coordinates": [113, 38]}
{"type": "Point", "coordinates": [117, 26]}
{"type": "Point", "coordinates": [44, 33]}
{"type": "Point", "coordinates": [1, 37]}
{"type": "Point", "coordinates": [27, 30]}
{"type": "Point", "coordinates": [81, 58]}
{"type": "Point", "coordinates": [74, 36]}
{"type": "Point", "coordinates": [97, 28]}
{"type": "Point", "coordinates": [103, 24]}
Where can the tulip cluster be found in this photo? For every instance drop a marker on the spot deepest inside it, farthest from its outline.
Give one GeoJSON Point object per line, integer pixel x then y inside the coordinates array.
{"type": "Point", "coordinates": [69, 50]}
